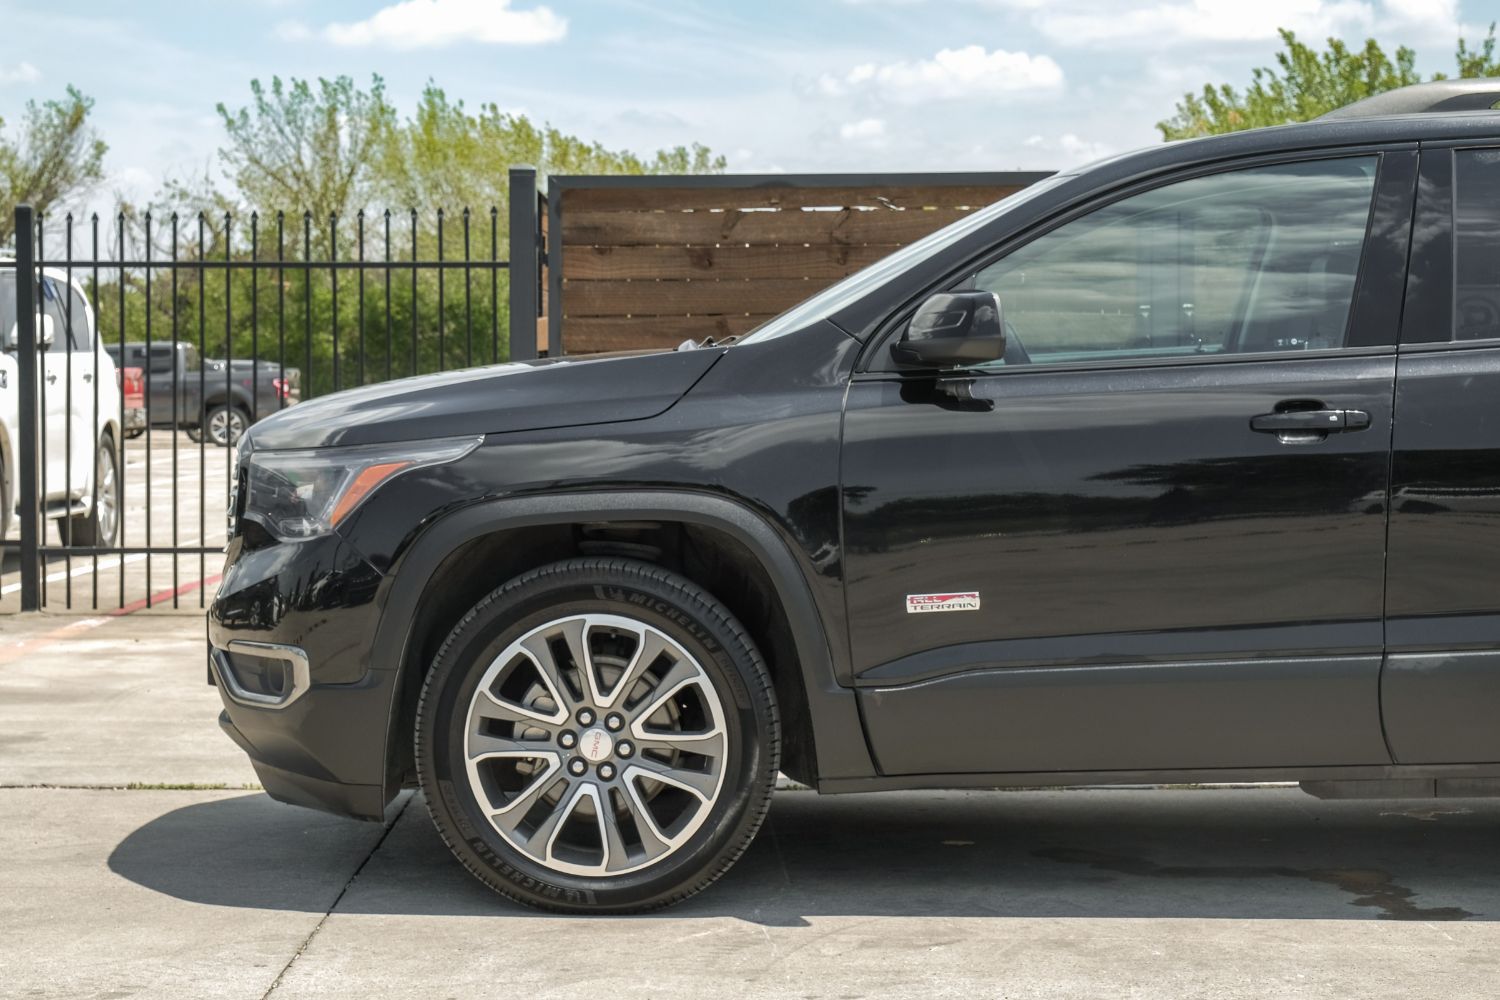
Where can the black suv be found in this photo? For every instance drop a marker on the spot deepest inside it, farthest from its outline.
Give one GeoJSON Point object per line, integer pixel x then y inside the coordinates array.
{"type": "Point", "coordinates": [1181, 467]}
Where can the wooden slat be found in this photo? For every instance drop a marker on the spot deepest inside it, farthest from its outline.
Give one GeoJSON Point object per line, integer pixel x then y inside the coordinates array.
{"type": "Point", "coordinates": [677, 298]}
{"type": "Point", "coordinates": [755, 228]}
{"type": "Point", "coordinates": [831, 260]}
{"type": "Point", "coordinates": [590, 335]}
{"type": "Point", "coordinates": [874, 196]}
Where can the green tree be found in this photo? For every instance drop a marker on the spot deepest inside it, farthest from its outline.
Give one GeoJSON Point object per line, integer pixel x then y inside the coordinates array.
{"type": "Point", "coordinates": [312, 149]}
{"type": "Point", "coordinates": [444, 154]}
{"type": "Point", "coordinates": [1306, 83]}
{"type": "Point", "coordinates": [54, 156]}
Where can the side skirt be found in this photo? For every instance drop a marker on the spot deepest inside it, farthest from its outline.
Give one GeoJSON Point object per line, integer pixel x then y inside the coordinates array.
{"type": "Point", "coordinates": [1447, 780]}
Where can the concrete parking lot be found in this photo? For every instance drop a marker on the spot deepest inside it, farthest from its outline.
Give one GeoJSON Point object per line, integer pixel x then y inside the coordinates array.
{"type": "Point", "coordinates": [138, 859]}
{"type": "Point", "coordinates": [175, 495]}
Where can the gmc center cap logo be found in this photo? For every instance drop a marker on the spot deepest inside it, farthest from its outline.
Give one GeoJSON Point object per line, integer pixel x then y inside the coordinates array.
{"type": "Point", "coordinates": [919, 604]}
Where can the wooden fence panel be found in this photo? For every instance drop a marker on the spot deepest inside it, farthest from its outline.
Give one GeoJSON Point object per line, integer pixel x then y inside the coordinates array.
{"type": "Point", "coordinates": [650, 266]}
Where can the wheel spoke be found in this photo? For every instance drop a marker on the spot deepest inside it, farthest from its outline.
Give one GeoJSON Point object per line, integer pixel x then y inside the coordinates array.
{"type": "Point", "coordinates": [695, 782]}
{"type": "Point", "coordinates": [616, 854]}
{"type": "Point", "coordinates": [548, 829]}
{"type": "Point", "coordinates": [709, 744]}
{"type": "Point", "coordinates": [484, 747]}
{"type": "Point", "coordinates": [510, 815]}
{"type": "Point", "coordinates": [576, 634]}
{"type": "Point", "coordinates": [490, 707]}
{"type": "Point", "coordinates": [650, 645]}
{"type": "Point", "coordinates": [682, 674]}
{"type": "Point", "coordinates": [654, 843]}
{"type": "Point", "coordinates": [539, 650]}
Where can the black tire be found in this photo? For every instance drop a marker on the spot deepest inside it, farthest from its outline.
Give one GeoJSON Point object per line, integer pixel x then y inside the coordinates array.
{"type": "Point", "coordinates": [101, 525]}
{"type": "Point", "coordinates": [134, 432]}
{"type": "Point", "coordinates": [224, 424]}
{"type": "Point", "coordinates": [662, 601]}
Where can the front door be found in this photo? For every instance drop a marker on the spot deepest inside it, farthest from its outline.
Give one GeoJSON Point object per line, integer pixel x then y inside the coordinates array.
{"type": "Point", "coordinates": [1152, 537]}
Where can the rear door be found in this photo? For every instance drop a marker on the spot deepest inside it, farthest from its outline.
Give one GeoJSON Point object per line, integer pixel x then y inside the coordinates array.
{"type": "Point", "coordinates": [1153, 536]}
{"type": "Point", "coordinates": [1440, 689]}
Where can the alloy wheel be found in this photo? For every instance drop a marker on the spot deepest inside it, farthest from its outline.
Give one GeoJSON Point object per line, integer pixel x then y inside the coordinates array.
{"type": "Point", "coordinates": [595, 744]}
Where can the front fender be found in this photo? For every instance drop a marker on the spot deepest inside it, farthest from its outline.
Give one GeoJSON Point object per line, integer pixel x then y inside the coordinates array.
{"type": "Point", "coordinates": [838, 734]}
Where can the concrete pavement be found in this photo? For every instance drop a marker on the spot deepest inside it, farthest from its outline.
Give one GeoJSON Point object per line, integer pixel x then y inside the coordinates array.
{"type": "Point", "coordinates": [1123, 893]}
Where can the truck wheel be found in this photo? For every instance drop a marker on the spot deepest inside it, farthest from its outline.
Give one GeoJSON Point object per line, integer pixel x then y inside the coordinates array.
{"type": "Point", "coordinates": [100, 526]}
{"type": "Point", "coordinates": [225, 424]}
{"type": "Point", "coordinates": [598, 735]}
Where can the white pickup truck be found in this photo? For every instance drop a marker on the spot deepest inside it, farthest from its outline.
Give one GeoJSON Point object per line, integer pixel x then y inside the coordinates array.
{"type": "Point", "coordinates": [79, 440]}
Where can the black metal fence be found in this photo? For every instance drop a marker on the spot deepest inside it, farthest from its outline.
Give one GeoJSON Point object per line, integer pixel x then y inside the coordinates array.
{"type": "Point", "coordinates": [120, 502]}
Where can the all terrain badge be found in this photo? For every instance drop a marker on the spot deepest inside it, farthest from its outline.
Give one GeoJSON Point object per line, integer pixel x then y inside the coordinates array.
{"type": "Point", "coordinates": [919, 604]}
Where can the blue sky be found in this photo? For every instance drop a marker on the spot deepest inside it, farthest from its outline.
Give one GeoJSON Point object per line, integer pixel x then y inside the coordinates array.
{"type": "Point", "coordinates": [775, 85]}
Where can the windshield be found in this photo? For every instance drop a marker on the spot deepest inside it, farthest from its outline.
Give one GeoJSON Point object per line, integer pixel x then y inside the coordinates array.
{"type": "Point", "coordinates": [836, 296]}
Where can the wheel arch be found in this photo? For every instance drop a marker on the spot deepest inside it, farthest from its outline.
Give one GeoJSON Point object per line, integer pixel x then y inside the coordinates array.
{"type": "Point", "coordinates": [508, 536]}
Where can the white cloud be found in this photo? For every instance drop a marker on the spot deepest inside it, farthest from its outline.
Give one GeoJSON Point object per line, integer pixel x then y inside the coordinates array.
{"type": "Point", "coordinates": [429, 24]}
{"type": "Point", "coordinates": [866, 129]}
{"type": "Point", "coordinates": [1100, 23]}
{"type": "Point", "coordinates": [20, 73]}
{"type": "Point", "coordinates": [971, 71]}
{"type": "Point", "coordinates": [1068, 149]}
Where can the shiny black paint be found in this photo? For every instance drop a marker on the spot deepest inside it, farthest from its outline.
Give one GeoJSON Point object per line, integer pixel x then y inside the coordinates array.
{"type": "Point", "coordinates": [1167, 592]}
{"type": "Point", "coordinates": [1092, 502]}
{"type": "Point", "coordinates": [561, 392]}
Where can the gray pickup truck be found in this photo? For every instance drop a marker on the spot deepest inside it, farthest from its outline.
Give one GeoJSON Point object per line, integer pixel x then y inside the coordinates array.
{"type": "Point", "coordinates": [210, 401]}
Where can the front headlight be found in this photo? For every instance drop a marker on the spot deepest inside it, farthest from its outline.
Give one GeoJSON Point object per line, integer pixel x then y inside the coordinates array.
{"type": "Point", "coordinates": [303, 494]}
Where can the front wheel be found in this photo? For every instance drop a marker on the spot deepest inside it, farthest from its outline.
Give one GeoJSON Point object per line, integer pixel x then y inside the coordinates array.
{"type": "Point", "coordinates": [598, 735]}
{"type": "Point", "coordinates": [101, 525]}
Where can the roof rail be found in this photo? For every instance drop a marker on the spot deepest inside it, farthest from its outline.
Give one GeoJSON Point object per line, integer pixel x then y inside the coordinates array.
{"type": "Point", "coordinates": [1424, 98]}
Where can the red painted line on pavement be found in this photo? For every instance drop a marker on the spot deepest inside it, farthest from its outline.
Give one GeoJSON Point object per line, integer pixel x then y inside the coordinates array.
{"type": "Point", "coordinates": [163, 596]}
{"type": "Point", "coordinates": [10, 652]}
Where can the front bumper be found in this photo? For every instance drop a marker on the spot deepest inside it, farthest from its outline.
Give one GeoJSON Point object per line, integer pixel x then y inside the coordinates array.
{"type": "Point", "coordinates": [317, 733]}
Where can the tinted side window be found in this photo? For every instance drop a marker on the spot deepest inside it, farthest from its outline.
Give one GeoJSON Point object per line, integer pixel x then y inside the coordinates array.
{"type": "Point", "coordinates": [1255, 260]}
{"type": "Point", "coordinates": [162, 359]}
{"type": "Point", "coordinates": [1476, 265]}
{"type": "Point", "coordinates": [81, 338]}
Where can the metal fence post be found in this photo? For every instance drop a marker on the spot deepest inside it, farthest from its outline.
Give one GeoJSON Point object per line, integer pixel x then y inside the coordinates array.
{"type": "Point", "coordinates": [26, 358]}
{"type": "Point", "coordinates": [525, 263]}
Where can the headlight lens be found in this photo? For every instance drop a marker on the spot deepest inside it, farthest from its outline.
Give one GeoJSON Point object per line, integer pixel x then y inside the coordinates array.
{"type": "Point", "coordinates": [303, 494]}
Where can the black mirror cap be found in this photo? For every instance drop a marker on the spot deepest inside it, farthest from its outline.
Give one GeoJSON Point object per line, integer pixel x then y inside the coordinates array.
{"type": "Point", "coordinates": [952, 329]}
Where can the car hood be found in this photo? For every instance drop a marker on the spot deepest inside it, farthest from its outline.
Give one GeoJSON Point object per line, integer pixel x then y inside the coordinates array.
{"type": "Point", "coordinates": [519, 396]}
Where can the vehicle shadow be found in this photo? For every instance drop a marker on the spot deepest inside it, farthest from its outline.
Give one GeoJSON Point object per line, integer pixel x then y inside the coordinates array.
{"type": "Point", "coordinates": [1124, 853]}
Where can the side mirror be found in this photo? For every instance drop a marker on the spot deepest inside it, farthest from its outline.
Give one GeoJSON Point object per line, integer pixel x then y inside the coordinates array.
{"type": "Point", "coordinates": [46, 332]}
{"type": "Point", "coordinates": [952, 329]}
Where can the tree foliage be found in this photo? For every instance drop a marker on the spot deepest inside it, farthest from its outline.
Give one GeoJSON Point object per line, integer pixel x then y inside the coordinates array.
{"type": "Point", "coordinates": [1306, 83]}
{"type": "Point", "coordinates": [311, 168]}
{"type": "Point", "coordinates": [445, 154]}
{"type": "Point", "coordinates": [53, 157]}
{"type": "Point", "coordinates": [305, 147]}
